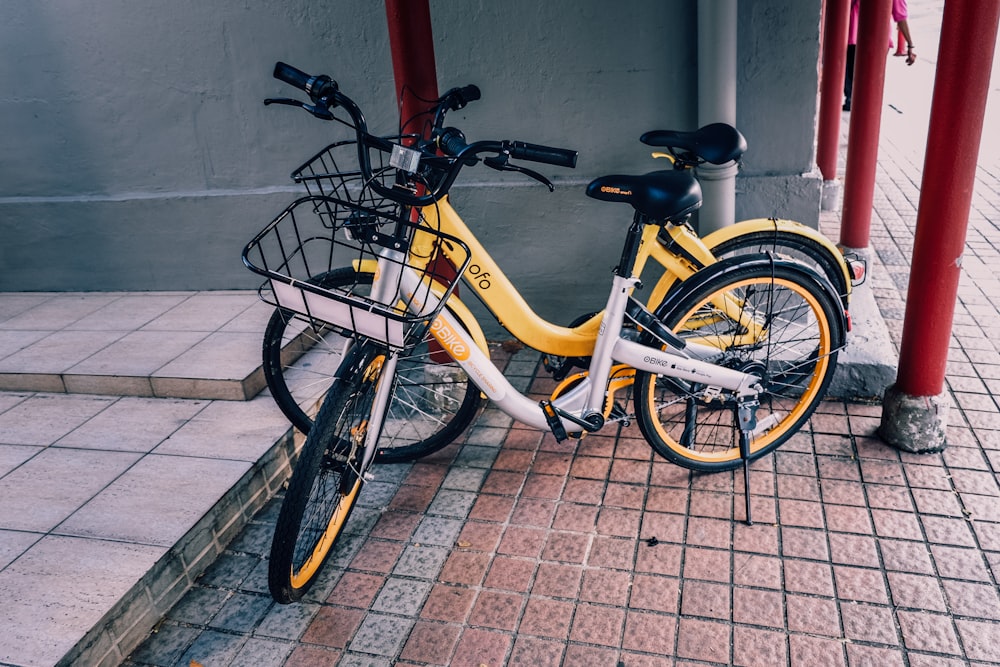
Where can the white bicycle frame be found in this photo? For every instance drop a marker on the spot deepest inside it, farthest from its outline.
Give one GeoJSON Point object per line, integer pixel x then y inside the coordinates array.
{"type": "Point", "coordinates": [588, 397]}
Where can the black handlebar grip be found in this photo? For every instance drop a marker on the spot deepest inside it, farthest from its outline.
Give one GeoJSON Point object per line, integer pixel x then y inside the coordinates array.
{"type": "Point", "coordinates": [452, 141]}
{"type": "Point", "coordinates": [291, 76]}
{"type": "Point", "coordinates": [317, 86]}
{"type": "Point", "coordinates": [560, 157]}
{"type": "Point", "coordinates": [458, 98]}
{"type": "Point", "coordinates": [469, 93]}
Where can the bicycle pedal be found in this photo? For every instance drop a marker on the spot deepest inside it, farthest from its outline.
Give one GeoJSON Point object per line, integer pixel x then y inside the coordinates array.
{"type": "Point", "coordinates": [556, 366]}
{"type": "Point", "coordinates": [711, 393]}
{"type": "Point", "coordinates": [552, 419]}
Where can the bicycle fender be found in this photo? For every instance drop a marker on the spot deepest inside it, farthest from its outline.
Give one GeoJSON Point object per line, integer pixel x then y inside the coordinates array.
{"type": "Point", "coordinates": [791, 226]}
{"type": "Point", "coordinates": [726, 266]}
{"type": "Point", "coordinates": [668, 279]}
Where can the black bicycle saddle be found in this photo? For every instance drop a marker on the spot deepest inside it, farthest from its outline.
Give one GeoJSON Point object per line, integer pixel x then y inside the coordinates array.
{"type": "Point", "coordinates": [717, 143]}
{"type": "Point", "coordinates": [661, 195]}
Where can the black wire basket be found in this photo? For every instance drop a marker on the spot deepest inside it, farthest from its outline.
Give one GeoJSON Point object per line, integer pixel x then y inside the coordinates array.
{"type": "Point", "coordinates": [397, 166]}
{"type": "Point", "coordinates": [317, 235]}
{"type": "Point", "coordinates": [333, 171]}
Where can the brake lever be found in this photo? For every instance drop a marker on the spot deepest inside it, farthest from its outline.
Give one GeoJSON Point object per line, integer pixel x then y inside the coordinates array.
{"type": "Point", "coordinates": [318, 110]}
{"type": "Point", "coordinates": [501, 163]}
{"type": "Point", "coordinates": [283, 100]}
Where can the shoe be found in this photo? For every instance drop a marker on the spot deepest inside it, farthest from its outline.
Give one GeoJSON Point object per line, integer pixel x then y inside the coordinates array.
{"type": "Point", "coordinates": [847, 106]}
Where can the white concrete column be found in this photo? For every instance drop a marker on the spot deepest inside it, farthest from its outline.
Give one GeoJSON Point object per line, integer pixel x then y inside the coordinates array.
{"type": "Point", "coordinates": [717, 104]}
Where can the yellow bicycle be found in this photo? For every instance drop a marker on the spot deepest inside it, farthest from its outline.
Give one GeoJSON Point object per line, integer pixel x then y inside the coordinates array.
{"type": "Point", "coordinates": [434, 401]}
{"type": "Point", "coordinates": [722, 371]}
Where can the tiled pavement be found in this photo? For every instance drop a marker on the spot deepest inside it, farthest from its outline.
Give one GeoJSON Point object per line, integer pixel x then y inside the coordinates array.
{"type": "Point", "coordinates": [513, 549]}
{"type": "Point", "coordinates": [507, 548]}
{"type": "Point", "coordinates": [510, 548]}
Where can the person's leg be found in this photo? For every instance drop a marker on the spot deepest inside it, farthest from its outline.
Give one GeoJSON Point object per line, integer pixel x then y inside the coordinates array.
{"type": "Point", "coordinates": [849, 76]}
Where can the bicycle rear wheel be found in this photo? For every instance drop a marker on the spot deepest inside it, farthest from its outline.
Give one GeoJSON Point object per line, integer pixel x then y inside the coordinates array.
{"type": "Point", "coordinates": [795, 353]}
{"type": "Point", "coordinates": [327, 478]}
{"type": "Point", "coordinates": [433, 401]}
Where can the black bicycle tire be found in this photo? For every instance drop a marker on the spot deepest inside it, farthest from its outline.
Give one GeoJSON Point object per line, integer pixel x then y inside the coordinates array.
{"type": "Point", "coordinates": [274, 368]}
{"type": "Point", "coordinates": [355, 383]}
{"type": "Point", "coordinates": [675, 311]}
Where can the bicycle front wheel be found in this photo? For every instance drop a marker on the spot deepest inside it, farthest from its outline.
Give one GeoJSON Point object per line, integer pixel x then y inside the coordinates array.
{"type": "Point", "coordinates": [792, 343]}
{"type": "Point", "coordinates": [327, 478]}
{"type": "Point", "coordinates": [432, 402]}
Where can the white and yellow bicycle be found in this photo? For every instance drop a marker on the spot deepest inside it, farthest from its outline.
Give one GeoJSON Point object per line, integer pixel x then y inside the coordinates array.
{"type": "Point", "coordinates": [730, 361]}
{"type": "Point", "coordinates": [433, 400]}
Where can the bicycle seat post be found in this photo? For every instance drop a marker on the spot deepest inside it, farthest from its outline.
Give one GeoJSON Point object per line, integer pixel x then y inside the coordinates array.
{"type": "Point", "coordinates": [633, 240]}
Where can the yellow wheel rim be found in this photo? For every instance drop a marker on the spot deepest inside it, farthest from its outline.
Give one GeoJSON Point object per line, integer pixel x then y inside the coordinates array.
{"type": "Point", "coordinates": [819, 371]}
{"type": "Point", "coordinates": [319, 552]}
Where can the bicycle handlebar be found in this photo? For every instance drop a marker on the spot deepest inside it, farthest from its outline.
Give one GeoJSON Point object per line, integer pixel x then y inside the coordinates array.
{"type": "Point", "coordinates": [459, 98]}
{"type": "Point", "coordinates": [560, 157]}
{"type": "Point", "coordinates": [452, 142]}
{"type": "Point", "coordinates": [316, 86]}
{"type": "Point", "coordinates": [326, 95]}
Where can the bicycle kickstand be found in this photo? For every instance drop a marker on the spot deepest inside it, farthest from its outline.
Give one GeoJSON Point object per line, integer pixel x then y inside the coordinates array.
{"type": "Point", "coordinates": [747, 414]}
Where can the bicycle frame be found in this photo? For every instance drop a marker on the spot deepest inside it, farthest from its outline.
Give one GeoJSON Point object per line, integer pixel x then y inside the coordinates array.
{"type": "Point", "coordinates": [605, 348]}
{"type": "Point", "coordinates": [508, 306]}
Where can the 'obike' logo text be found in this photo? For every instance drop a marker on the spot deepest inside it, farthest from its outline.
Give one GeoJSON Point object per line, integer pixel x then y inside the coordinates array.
{"type": "Point", "coordinates": [450, 340]}
{"type": "Point", "coordinates": [615, 190]}
{"type": "Point", "coordinates": [659, 362]}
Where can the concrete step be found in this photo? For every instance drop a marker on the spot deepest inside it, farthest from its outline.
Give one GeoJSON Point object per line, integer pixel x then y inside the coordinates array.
{"type": "Point", "coordinates": [867, 366]}
{"type": "Point", "coordinates": [199, 345]}
{"type": "Point", "coordinates": [122, 477]}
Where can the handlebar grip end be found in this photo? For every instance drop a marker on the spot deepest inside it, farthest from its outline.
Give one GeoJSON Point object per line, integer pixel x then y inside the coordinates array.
{"type": "Point", "coordinates": [317, 87]}
{"type": "Point", "coordinates": [451, 141]}
{"type": "Point", "coordinates": [471, 93]}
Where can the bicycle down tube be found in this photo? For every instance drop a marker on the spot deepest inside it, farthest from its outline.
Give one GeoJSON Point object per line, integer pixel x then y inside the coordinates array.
{"type": "Point", "coordinates": [589, 395]}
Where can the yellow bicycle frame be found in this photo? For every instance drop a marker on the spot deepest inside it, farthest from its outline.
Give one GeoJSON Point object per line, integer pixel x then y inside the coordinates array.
{"type": "Point", "coordinates": [513, 312]}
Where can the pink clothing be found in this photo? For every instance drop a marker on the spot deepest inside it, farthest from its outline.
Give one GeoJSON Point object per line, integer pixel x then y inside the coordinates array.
{"type": "Point", "coordinates": [898, 14]}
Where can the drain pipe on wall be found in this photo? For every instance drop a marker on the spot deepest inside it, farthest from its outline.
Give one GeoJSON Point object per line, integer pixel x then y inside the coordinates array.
{"type": "Point", "coordinates": [717, 104]}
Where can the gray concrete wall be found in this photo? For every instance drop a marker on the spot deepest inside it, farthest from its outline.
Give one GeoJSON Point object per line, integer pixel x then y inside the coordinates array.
{"type": "Point", "coordinates": [136, 153]}
{"type": "Point", "coordinates": [777, 109]}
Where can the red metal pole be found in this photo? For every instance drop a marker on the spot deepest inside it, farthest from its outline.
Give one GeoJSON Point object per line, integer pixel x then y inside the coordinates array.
{"type": "Point", "coordinates": [413, 63]}
{"type": "Point", "coordinates": [958, 106]}
{"type": "Point", "coordinates": [866, 120]}
{"type": "Point", "coordinates": [832, 85]}
{"type": "Point", "coordinates": [415, 73]}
